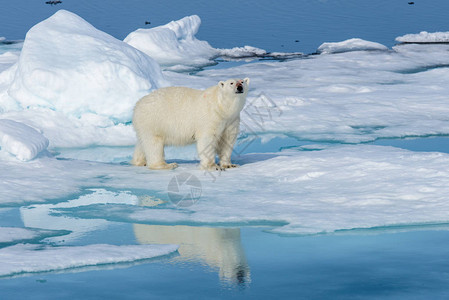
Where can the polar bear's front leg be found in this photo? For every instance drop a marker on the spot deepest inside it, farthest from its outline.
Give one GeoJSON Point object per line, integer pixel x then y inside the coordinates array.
{"type": "Point", "coordinates": [206, 147]}
{"type": "Point", "coordinates": [226, 144]}
{"type": "Point", "coordinates": [153, 147]}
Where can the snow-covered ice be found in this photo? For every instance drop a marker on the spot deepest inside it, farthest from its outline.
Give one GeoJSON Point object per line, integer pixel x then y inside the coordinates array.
{"type": "Point", "coordinates": [298, 192]}
{"type": "Point", "coordinates": [28, 258]}
{"type": "Point", "coordinates": [354, 96]}
{"type": "Point", "coordinates": [67, 65]}
{"type": "Point", "coordinates": [310, 192]}
{"type": "Point", "coordinates": [424, 37]}
{"type": "Point", "coordinates": [17, 234]}
{"type": "Point", "coordinates": [174, 44]}
{"type": "Point", "coordinates": [21, 140]}
{"type": "Point", "coordinates": [354, 44]}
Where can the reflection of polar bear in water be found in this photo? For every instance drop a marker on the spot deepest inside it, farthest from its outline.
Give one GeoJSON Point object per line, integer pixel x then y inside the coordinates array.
{"type": "Point", "coordinates": [180, 116]}
{"type": "Point", "coordinates": [218, 247]}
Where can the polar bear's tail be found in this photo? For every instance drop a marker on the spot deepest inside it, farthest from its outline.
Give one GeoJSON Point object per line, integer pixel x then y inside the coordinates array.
{"type": "Point", "coordinates": [139, 156]}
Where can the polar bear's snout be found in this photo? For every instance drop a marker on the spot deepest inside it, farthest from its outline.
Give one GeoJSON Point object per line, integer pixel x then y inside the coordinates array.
{"type": "Point", "coordinates": [239, 87]}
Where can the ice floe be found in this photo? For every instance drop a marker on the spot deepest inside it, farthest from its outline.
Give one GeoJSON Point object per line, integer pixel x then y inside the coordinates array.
{"type": "Point", "coordinates": [28, 258]}
{"type": "Point", "coordinates": [174, 43]}
{"type": "Point", "coordinates": [354, 44]}
{"type": "Point", "coordinates": [17, 234]}
{"type": "Point", "coordinates": [295, 192]}
{"type": "Point", "coordinates": [425, 37]}
{"type": "Point", "coordinates": [347, 97]}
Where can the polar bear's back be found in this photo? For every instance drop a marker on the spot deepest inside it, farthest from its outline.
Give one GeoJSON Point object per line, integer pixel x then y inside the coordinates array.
{"type": "Point", "coordinates": [171, 112]}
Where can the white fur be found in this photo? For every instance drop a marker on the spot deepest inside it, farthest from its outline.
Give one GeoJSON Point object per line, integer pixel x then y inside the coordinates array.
{"type": "Point", "coordinates": [180, 116]}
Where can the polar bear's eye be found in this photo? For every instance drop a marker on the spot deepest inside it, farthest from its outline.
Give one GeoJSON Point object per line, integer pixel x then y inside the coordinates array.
{"type": "Point", "coordinates": [232, 83]}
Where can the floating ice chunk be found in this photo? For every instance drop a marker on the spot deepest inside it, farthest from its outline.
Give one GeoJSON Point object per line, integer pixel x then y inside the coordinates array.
{"type": "Point", "coordinates": [350, 45]}
{"type": "Point", "coordinates": [425, 37]}
{"type": "Point", "coordinates": [27, 258]}
{"type": "Point", "coordinates": [242, 52]}
{"type": "Point", "coordinates": [174, 43]}
{"type": "Point", "coordinates": [17, 234]}
{"type": "Point", "coordinates": [40, 216]}
{"type": "Point", "coordinates": [67, 65]}
{"type": "Point", "coordinates": [21, 140]}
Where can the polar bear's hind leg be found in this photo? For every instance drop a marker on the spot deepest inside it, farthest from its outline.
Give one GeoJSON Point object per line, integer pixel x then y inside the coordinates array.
{"type": "Point", "coordinates": [139, 156]}
{"type": "Point", "coordinates": [153, 147]}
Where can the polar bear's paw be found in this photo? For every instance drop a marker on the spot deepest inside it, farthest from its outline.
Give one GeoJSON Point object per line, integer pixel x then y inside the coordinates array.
{"type": "Point", "coordinates": [211, 167]}
{"type": "Point", "coordinates": [163, 166]}
{"type": "Point", "coordinates": [228, 165]}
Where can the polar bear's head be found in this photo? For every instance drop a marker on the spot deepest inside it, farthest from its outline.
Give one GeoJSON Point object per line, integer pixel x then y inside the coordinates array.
{"type": "Point", "coordinates": [232, 96]}
{"type": "Point", "coordinates": [234, 86]}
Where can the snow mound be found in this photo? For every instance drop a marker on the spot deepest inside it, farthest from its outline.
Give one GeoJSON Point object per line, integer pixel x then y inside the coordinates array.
{"type": "Point", "coordinates": [425, 37]}
{"type": "Point", "coordinates": [350, 45]}
{"type": "Point", "coordinates": [21, 140]}
{"type": "Point", "coordinates": [67, 65]}
{"type": "Point", "coordinates": [24, 258]}
{"type": "Point", "coordinates": [174, 43]}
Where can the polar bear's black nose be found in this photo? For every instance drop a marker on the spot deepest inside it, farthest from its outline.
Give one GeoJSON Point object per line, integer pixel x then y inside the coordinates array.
{"type": "Point", "coordinates": [240, 89]}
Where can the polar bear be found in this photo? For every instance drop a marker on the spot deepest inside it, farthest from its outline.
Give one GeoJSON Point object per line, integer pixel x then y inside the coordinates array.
{"type": "Point", "coordinates": [180, 116]}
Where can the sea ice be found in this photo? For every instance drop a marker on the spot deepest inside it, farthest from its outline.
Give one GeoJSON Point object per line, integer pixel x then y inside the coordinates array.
{"type": "Point", "coordinates": [347, 97]}
{"type": "Point", "coordinates": [297, 192]}
{"type": "Point", "coordinates": [350, 97]}
{"type": "Point", "coordinates": [17, 234]}
{"type": "Point", "coordinates": [28, 258]}
{"type": "Point", "coordinates": [174, 43]}
{"type": "Point", "coordinates": [21, 140]}
{"type": "Point", "coordinates": [354, 44]}
{"type": "Point", "coordinates": [425, 37]}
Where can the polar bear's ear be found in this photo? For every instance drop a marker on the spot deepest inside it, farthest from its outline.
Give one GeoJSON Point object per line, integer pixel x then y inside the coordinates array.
{"type": "Point", "coordinates": [221, 84]}
{"type": "Point", "coordinates": [246, 80]}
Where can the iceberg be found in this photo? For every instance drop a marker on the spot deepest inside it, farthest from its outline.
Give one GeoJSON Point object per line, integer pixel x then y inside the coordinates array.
{"type": "Point", "coordinates": [29, 258]}
{"type": "Point", "coordinates": [424, 37]}
{"type": "Point", "coordinates": [354, 44]}
{"type": "Point", "coordinates": [67, 65]}
{"type": "Point", "coordinates": [21, 140]}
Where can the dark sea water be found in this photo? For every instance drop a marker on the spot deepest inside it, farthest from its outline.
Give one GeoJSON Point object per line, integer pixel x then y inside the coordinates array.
{"type": "Point", "coordinates": [287, 26]}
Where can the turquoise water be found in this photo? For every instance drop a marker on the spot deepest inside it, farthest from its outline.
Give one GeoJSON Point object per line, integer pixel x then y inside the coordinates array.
{"type": "Point", "coordinates": [373, 265]}
{"type": "Point", "coordinates": [403, 262]}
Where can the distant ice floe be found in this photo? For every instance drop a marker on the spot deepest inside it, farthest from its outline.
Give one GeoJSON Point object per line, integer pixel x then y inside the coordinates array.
{"type": "Point", "coordinates": [350, 45]}
{"type": "Point", "coordinates": [21, 140]}
{"type": "Point", "coordinates": [425, 37]}
{"type": "Point", "coordinates": [174, 44]}
{"type": "Point", "coordinates": [17, 234]}
{"type": "Point", "coordinates": [175, 47]}
{"type": "Point", "coordinates": [67, 65]}
{"type": "Point", "coordinates": [28, 258]}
